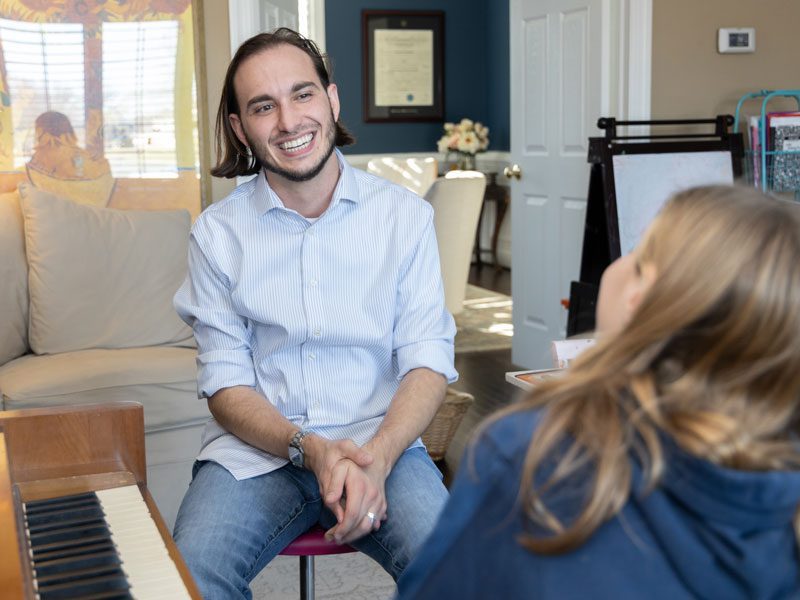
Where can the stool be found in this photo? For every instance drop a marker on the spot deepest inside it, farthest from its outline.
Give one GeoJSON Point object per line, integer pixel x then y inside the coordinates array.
{"type": "Point", "coordinates": [308, 545]}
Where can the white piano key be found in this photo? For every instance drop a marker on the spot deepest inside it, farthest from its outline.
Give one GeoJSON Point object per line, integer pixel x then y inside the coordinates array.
{"type": "Point", "coordinates": [145, 560]}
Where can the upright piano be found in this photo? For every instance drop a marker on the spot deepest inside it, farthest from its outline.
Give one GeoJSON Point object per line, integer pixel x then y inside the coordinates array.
{"type": "Point", "coordinates": [76, 518]}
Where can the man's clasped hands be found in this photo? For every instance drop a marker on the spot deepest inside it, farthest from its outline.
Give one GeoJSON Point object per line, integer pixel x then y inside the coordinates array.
{"type": "Point", "coordinates": [351, 482]}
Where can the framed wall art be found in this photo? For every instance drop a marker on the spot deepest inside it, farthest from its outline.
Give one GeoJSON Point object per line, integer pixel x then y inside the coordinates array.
{"type": "Point", "coordinates": [100, 101]}
{"type": "Point", "coordinates": [403, 70]}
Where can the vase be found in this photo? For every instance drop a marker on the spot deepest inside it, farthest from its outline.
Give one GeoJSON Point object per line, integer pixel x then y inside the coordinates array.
{"type": "Point", "coordinates": [466, 162]}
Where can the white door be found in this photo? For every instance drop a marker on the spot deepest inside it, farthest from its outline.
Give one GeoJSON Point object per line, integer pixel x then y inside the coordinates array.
{"type": "Point", "coordinates": [572, 61]}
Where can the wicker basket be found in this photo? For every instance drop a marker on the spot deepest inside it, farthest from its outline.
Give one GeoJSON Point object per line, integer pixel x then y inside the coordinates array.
{"type": "Point", "coordinates": [440, 432]}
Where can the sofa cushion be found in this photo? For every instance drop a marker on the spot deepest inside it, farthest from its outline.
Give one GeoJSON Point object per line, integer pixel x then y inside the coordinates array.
{"type": "Point", "coordinates": [13, 281]}
{"type": "Point", "coordinates": [162, 379]}
{"type": "Point", "coordinates": [101, 277]}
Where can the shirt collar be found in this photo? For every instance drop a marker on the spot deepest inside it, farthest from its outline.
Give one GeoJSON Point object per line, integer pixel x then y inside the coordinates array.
{"type": "Point", "coordinates": [265, 199]}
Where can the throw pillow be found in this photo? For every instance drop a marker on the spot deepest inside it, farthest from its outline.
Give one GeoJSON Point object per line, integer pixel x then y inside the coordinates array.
{"type": "Point", "coordinates": [101, 277]}
{"type": "Point", "coordinates": [13, 281]}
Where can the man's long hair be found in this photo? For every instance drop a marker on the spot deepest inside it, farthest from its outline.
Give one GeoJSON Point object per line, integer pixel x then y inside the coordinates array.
{"type": "Point", "coordinates": [233, 157]}
{"type": "Point", "coordinates": [710, 359]}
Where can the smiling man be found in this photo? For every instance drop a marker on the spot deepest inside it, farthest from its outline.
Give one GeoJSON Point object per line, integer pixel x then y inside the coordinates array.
{"type": "Point", "coordinates": [324, 345]}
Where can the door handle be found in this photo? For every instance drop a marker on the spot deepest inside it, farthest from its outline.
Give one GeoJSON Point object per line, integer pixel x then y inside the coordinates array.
{"type": "Point", "coordinates": [513, 172]}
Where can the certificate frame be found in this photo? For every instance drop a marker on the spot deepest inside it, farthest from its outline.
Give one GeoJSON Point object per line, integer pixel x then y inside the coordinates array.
{"type": "Point", "coordinates": [391, 94]}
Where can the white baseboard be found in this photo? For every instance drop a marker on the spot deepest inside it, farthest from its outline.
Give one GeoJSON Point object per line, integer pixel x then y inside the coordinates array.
{"type": "Point", "coordinates": [491, 161]}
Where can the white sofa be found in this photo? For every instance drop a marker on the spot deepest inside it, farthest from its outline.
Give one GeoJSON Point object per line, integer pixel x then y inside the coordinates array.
{"type": "Point", "coordinates": [86, 317]}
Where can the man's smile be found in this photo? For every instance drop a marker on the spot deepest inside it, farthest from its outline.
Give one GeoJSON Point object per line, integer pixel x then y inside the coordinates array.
{"type": "Point", "coordinates": [296, 145]}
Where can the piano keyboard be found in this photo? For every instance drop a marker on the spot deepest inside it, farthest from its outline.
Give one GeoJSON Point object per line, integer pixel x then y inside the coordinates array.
{"type": "Point", "coordinates": [97, 545]}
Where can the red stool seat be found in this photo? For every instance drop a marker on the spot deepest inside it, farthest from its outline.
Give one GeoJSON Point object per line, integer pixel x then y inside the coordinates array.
{"type": "Point", "coordinates": [308, 545]}
{"type": "Point", "coordinates": [313, 543]}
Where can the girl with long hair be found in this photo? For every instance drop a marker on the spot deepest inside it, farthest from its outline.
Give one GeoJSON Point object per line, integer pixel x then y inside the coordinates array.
{"type": "Point", "coordinates": [665, 463]}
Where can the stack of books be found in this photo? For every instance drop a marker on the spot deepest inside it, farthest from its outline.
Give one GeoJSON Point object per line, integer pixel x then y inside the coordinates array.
{"type": "Point", "coordinates": [782, 148]}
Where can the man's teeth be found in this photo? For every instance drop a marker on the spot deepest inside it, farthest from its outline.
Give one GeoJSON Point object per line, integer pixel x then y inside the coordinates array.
{"type": "Point", "coordinates": [298, 144]}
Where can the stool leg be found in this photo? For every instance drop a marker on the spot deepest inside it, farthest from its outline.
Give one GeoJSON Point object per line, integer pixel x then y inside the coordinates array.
{"type": "Point", "coordinates": [306, 578]}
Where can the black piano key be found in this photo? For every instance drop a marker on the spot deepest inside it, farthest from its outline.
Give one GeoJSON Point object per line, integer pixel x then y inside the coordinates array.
{"type": "Point", "coordinates": [66, 545]}
{"type": "Point", "coordinates": [67, 565]}
{"type": "Point", "coordinates": [55, 512]}
{"type": "Point", "coordinates": [77, 575]}
{"type": "Point", "coordinates": [70, 533]}
{"type": "Point", "coordinates": [101, 584]}
{"type": "Point", "coordinates": [72, 552]}
{"type": "Point", "coordinates": [61, 499]}
{"type": "Point", "coordinates": [66, 519]}
{"type": "Point", "coordinates": [81, 550]}
{"type": "Point", "coordinates": [38, 506]}
{"type": "Point", "coordinates": [64, 513]}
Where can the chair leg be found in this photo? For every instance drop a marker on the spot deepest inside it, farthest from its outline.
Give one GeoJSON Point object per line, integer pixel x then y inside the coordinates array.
{"type": "Point", "coordinates": [306, 578]}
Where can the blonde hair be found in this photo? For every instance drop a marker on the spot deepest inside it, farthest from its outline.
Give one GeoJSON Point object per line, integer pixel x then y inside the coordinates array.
{"type": "Point", "coordinates": [711, 358]}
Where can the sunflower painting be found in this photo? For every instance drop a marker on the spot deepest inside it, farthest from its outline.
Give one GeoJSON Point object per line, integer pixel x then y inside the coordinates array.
{"type": "Point", "coordinates": [98, 101]}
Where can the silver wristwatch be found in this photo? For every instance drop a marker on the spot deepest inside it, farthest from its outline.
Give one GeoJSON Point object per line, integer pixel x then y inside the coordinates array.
{"type": "Point", "coordinates": [296, 453]}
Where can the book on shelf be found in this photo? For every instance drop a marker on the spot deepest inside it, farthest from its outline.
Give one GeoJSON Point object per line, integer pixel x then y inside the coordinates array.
{"type": "Point", "coordinates": [755, 149]}
{"type": "Point", "coordinates": [783, 143]}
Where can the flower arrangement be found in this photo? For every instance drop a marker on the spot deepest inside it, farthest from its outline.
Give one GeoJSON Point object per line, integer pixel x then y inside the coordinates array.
{"type": "Point", "coordinates": [465, 138]}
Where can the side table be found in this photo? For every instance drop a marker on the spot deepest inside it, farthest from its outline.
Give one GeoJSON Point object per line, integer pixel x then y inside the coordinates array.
{"type": "Point", "coordinates": [499, 195]}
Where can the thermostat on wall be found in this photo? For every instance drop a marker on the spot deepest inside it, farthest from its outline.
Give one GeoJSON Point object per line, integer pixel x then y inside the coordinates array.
{"type": "Point", "coordinates": [732, 39]}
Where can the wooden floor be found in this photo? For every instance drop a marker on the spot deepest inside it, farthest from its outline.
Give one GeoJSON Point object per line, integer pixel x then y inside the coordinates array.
{"type": "Point", "coordinates": [486, 276]}
{"type": "Point", "coordinates": [482, 374]}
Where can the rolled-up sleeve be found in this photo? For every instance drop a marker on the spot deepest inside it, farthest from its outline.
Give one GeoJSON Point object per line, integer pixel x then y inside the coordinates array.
{"type": "Point", "coordinates": [424, 330]}
{"type": "Point", "coordinates": [224, 357]}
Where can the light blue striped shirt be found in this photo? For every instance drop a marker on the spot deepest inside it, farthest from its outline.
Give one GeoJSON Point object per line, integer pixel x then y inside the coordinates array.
{"type": "Point", "coordinates": [323, 317]}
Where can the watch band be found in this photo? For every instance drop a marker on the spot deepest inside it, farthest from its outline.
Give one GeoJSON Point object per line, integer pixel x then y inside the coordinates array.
{"type": "Point", "coordinates": [297, 454]}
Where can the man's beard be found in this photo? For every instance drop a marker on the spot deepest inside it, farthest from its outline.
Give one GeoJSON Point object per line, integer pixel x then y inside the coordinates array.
{"type": "Point", "coordinates": [262, 156]}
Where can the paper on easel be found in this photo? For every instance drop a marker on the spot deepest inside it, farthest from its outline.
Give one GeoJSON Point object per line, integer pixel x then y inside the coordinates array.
{"type": "Point", "coordinates": [565, 351]}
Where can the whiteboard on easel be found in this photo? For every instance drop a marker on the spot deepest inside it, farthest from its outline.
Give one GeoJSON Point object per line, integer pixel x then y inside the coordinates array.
{"type": "Point", "coordinates": [644, 182]}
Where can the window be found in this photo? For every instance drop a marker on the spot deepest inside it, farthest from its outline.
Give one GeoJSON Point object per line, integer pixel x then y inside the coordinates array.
{"type": "Point", "coordinates": [44, 71]}
{"type": "Point", "coordinates": [139, 98]}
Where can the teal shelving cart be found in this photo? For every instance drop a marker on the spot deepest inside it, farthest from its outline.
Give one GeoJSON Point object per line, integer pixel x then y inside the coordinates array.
{"type": "Point", "coordinates": [772, 163]}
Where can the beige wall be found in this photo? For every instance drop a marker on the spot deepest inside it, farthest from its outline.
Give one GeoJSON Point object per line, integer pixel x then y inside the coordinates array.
{"type": "Point", "coordinates": [216, 55]}
{"type": "Point", "coordinates": [690, 79]}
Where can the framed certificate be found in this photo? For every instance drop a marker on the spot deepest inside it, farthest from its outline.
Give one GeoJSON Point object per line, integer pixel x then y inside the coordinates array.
{"type": "Point", "coordinates": [403, 73]}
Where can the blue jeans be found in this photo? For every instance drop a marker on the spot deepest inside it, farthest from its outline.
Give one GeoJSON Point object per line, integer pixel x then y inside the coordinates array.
{"type": "Point", "coordinates": [229, 530]}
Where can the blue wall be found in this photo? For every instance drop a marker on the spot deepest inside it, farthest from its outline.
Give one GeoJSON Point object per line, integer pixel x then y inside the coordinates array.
{"type": "Point", "coordinates": [475, 72]}
{"type": "Point", "coordinates": [497, 52]}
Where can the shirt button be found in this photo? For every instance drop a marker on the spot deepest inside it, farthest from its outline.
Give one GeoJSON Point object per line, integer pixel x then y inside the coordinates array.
{"type": "Point", "coordinates": [317, 332]}
{"type": "Point", "coordinates": [313, 283]}
{"type": "Point", "coordinates": [312, 356]}
{"type": "Point", "coordinates": [310, 231]}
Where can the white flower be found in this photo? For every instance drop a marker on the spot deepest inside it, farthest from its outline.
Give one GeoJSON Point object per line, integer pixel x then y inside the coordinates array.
{"type": "Point", "coordinates": [466, 136]}
{"type": "Point", "coordinates": [468, 143]}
